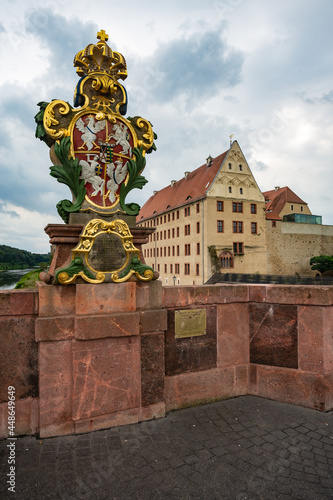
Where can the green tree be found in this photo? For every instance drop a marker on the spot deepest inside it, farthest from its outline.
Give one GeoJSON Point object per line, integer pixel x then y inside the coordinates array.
{"type": "Point", "coordinates": [322, 263]}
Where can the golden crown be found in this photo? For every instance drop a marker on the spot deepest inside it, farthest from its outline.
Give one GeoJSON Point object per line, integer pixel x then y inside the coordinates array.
{"type": "Point", "coordinates": [100, 58]}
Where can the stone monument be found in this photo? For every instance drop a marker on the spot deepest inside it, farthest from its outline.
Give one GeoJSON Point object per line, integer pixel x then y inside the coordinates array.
{"type": "Point", "coordinates": [100, 155]}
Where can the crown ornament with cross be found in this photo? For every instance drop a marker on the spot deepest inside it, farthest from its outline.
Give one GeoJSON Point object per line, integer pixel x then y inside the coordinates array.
{"type": "Point", "coordinates": [94, 149]}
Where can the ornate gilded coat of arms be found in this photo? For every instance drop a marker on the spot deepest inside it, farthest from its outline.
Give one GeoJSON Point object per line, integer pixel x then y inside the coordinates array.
{"type": "Point", "coordinates": [97, 152]}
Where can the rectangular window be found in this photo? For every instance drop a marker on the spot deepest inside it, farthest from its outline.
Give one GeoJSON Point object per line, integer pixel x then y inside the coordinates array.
{"type": "Point", "coordinates": [187, 249]}
{"type": "Point", "coordinates": [177, 232]}
{"type": "Point", "coordinates": [173, 215]}
{"type": "Point", "coordinates": [187, 230]}
{"type": "Point", "coordinates": [165, 234]}
{"type": "Point", "coordinates": [237, 227]}
{"type": "Point", "coordinates": [161, 220]}
{"type": "Point", "coordinates": [165, 268]}
{"type": "Point", "coordinates": [169, 233]}
{"type": "Point", "coordinates": [198, 227]}
{"type": "Point", "coordinates": [171, 269]}
{"type": "Point", "coordinates": [168, 217]}
{"type": "Point", "coordinates": [177, 250]}
{"type": "Point", "coordinates": [173, 232]}
{"type": "Point", "coordinates": [198, 248]}
{"type": "Point", "coordinates": [273, 223]}
{"type": "Point", "coordinates": [238, 248]}
{"type": "Point", "coordinates": [169, 252]}
{"type": "Point", "coordinates": [177, 214]}
{"type": "Point", "coordinates": [240, 190]}
{"type": "Point", "coordinates": [253, 228]}
{"type": "Point", "coordinates": [253, 208]}
{"type": "Point", "coordinates": [161, 235]}
{"type": "Point", "coordinates": [198, 208]}
{"type": "Point", "coordinates": [158, 267]}
{"type": "Point", "coordinates": [220, 226]}
{"type": "Point", "coordinates": [237, 207]}
{"type": "Point", "coordinates": [164, 251]}
{"type": "Point", "coordinates": [165, 219]}
{"type": "Point", "coordinates": [187, 269]}
{"type": "Point", "coordinates": [219, 206]}
{"type": "Point", "coordinates": [173, 251]}
{"type": "Point", "coordinates": [156, 252]}
{"type": "Point", "coordinates": [157, 236]}
{"type": "Point", "coordinates": [197, 271]}
{"type": "Point", "coordinates": [187, 211]}
{"type": "Point", "coordinates": [176, 268]}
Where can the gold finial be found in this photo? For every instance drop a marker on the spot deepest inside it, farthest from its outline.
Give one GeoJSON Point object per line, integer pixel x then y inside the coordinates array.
{"type": "Point", "coordinates": [102, 36]}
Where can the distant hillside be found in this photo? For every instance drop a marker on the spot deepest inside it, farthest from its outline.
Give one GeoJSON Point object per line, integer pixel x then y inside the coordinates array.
{"type": "Point", "coordinates": [13, 258]}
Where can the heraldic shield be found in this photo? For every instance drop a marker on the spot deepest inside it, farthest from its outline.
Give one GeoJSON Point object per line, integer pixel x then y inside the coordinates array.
{"type": "Point", "coordinates": [100, 155]}
{"type": "Point", "coordinates": [103, 149]}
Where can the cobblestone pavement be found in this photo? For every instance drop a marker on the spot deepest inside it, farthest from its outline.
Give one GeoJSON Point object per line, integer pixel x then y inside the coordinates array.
{"type": "Point", "coordinates": [241, 448]}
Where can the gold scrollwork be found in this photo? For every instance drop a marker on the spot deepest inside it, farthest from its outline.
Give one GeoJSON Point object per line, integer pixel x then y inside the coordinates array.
{"type": "Point", "coordinates": [148, 135]}
{"type": "Point", "coordinates": [105, 84]}
{"type": "Point", "coordinates": [50, 121]}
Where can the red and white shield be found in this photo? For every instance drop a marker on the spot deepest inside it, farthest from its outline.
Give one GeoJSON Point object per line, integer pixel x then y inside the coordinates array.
{"type": "Point", "coordinates": [103, 149]}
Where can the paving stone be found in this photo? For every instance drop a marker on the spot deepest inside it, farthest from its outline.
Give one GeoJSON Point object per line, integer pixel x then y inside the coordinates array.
{"type": "Point", "coordinates": [245, 448]}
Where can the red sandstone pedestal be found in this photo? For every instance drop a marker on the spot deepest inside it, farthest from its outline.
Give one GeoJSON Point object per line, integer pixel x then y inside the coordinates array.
{"type": "Point", "coordinates": [65, 237]}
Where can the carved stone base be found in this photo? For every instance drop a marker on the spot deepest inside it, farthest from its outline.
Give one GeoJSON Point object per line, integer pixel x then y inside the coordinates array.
{"type": "Point", "coordinates": [65, 237]}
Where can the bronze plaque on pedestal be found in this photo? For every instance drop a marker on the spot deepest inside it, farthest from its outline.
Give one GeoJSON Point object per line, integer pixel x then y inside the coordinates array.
{"type": "Point", "coordinates": [190, 323]}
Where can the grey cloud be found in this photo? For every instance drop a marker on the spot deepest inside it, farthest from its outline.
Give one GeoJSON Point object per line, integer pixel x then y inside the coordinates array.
{"type": "Point", "coordinates": [64, 37]}
{"type": "Point", "coordinates": [197, 66]}
{"type": "Point", "coordinates": [11, 213]}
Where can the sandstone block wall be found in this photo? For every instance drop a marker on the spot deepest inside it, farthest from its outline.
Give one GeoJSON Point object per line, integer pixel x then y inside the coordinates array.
{"type": "Point", "coordinates": [86, 357]}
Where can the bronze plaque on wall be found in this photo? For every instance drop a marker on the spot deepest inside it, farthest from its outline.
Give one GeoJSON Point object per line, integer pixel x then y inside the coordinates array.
{"type": "Point", "coordinates": [190, 323]}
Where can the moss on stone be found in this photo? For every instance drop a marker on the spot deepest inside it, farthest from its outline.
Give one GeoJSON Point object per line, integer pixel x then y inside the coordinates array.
{"type": "Point", "coordinates": [29, 279]}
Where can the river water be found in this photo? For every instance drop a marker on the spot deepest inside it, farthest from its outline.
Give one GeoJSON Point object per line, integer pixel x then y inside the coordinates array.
{"type": "Point", "coordinates": [8, 279]}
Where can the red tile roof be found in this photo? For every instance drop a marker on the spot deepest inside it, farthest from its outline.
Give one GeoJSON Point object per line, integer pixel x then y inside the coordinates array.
{"type": "Point", "coordinates": [276, 200]}
{"type": "Point", "coordinates": [191, 188]}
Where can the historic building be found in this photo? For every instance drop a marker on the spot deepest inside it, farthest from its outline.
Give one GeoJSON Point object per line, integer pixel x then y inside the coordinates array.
{"type": "Point", "coordinates": [211, 219]}
{"type": "Point", "coordinates": [294, 234]}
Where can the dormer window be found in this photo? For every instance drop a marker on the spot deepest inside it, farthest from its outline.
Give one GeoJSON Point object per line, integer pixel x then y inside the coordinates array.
{"type": "Point", "coordinates": [291, 207]}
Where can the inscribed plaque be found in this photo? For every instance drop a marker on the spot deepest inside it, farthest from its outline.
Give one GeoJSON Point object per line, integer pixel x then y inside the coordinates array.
{"type": "Point", "coordinates": [190, 323]}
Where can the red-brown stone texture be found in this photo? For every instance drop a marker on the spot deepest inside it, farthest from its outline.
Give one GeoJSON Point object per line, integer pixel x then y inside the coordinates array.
{"type": "Point", "coordinates": [109, 325]}
{"type": "Point", "coordinates": [152, 368]}
{"type": "Point", "coordinates": [105, 298]}
{"type": "Point", "coordinates": [18, 357]}
{"type": "Point", "coordinates": [273, 335]}
{"type": "Point", "coordinates": [56, 328]}
{"type": "Point", "coordinates": [26, 417]}
{"type": "Point", "coordinates": [56, 300]}
{"type": "Point", "coordinates": [291, 386]}
{"type": "Point", "coordinates": [191, 353]}
{"type": "Point", "coordinates": [55, 385]}
{"type": "Point", "coordinates": [85, 357]}
{"type": "Point", "coordinates": [233, 334]}
{"type": "Point", "coordinates": [18, 302]}
{"type": "Point", "coordinates": [106, 376]}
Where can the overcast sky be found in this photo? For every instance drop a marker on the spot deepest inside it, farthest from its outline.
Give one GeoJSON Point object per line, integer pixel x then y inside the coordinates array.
{"type": "Point", "coordinates": [199, 71]}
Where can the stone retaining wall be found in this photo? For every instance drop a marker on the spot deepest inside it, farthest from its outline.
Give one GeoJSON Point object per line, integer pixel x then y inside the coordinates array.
{"type": "Point", "coordinates": [87, 357]}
